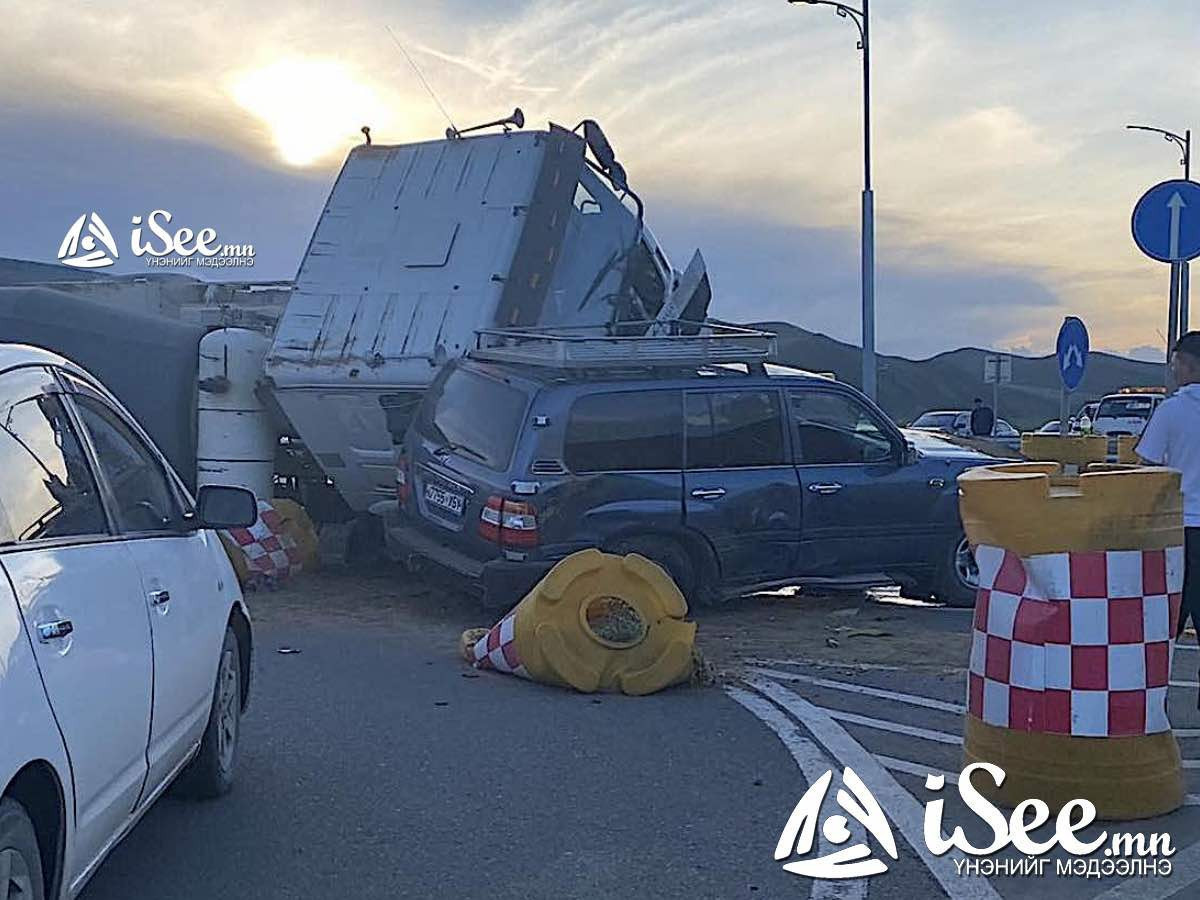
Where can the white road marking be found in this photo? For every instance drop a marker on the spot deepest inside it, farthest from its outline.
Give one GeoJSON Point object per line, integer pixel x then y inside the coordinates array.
{"type": "Point", "coordinates": [1185, 870]}
{"type": "Point", "coordinates": [1187, 684]}
{"type": "Point", "coordinates": [902, 807]}
{"type": "Point", "coordinates": [927, 734]}
{"type": "Point", "coordinates": [866, 690]}
{"type": "Point", "coordinates": [1190, 764]}
{"type": "Point", "coordinates": [813, 764]}
{"type": "Point", "coordinates": [912, 768]}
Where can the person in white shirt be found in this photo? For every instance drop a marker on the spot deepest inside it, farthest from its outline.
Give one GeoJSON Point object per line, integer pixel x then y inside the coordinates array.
{"type": "Point", "coordinates": [1172, 438]}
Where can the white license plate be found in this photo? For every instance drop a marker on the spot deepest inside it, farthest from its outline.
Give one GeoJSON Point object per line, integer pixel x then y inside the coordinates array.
{"type": "Point", "coordinates": [443, 499]}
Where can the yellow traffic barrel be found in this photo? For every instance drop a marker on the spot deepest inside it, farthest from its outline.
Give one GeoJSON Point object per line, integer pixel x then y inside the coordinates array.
{"type": "Point", "coordinates": [1081, 578]}
{"type": "Point", "coordinates": [596, 622]}
{"type": "Point", "coordinates": [1070, 449]}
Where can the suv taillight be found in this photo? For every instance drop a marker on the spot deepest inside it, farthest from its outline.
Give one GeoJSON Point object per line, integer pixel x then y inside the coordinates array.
{"type": "Point", "coordinates": [509, 523]}
{"type": "Point", "coordinates": [403, 487]}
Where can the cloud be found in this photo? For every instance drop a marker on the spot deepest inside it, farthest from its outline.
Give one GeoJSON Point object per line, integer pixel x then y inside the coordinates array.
{"type": "Point", "coordinates": [1002, 172]}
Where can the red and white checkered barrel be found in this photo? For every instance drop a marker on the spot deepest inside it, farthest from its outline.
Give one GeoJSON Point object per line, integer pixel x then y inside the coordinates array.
{"type": "Point", "coordinates": [1080, 586]}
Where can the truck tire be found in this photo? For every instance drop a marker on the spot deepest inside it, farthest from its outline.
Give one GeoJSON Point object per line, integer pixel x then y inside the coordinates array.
{"type": "Point", "coordinates": [958, 576]}
{"type": "Point", "coordinates": [211, 773]}
{"type": "Point", "coordinates": [19, 854]}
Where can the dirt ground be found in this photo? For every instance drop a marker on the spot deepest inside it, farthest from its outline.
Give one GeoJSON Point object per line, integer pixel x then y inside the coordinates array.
{"type": "Point", "coordinates": [865, 630]}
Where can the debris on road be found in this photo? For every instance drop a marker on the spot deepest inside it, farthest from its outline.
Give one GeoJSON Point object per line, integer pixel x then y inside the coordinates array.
{"type": "Point", "coordinates": [596, 622]}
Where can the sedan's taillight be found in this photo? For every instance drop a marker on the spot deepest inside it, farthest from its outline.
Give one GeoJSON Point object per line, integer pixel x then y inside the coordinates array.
{"type": "Point", "coordinates": [509, 523]}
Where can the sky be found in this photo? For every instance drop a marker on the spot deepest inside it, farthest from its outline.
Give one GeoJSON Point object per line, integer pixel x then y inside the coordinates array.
{"type": "Point", "coordinates": [1003, 174]}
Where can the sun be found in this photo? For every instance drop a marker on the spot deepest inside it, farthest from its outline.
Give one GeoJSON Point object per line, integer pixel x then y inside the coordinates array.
{"type": "Point", "coordinates": [313, 107]}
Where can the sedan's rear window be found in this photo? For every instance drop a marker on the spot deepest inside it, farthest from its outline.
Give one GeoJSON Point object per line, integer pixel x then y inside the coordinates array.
{"type": "Point", "coordinates": [626, 431]}
{"type": "Point", "coordinates": [475, 416]}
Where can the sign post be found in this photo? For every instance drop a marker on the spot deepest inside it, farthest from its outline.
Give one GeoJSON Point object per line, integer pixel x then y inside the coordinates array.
{"type": "Point", "coordinates": [997, 370]}
{"type": "Point", "coordinates": [1072, 350]}
{"type": "Point", "coordinates": [1166, 227]}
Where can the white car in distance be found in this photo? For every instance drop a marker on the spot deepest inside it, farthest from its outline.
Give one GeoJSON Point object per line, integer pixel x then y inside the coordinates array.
{"type": "Point", "coordinates": [124, 639]}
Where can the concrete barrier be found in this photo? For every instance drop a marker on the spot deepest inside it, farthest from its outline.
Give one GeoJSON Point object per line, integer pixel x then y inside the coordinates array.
{"type": "Point", "coordinates": [596, 622]}
{"type": "Point", "coordinates": [1080, 586]}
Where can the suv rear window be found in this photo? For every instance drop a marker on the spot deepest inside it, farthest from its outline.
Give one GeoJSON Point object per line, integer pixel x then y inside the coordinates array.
{"type": "Point", "coordinates": [625, 431]}
{"type": "Point", "coordinates": [476, 416]}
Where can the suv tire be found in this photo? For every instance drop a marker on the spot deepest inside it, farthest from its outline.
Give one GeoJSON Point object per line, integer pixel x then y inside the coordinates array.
{"type": "Point", "coordinates": [958, 577]}
{"type": "Point", "coordinates": [210, 773]}
{"type": "Point", "coordinates": [674, 559]}
{"type": "Point", "coordinates": [19, 854]}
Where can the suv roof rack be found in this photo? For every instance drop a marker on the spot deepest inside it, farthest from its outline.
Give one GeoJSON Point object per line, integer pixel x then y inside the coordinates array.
{"type": "Point", "coordinates": [661, 343]}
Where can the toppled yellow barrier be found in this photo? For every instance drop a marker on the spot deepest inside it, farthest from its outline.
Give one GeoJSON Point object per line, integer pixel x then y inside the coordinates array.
{"type": "Point", "coordinates": [596, 622]}
{"type": "Point", "coordinates": [1080, 582]}
{"type": "Point", "coordinates": [280, 543]}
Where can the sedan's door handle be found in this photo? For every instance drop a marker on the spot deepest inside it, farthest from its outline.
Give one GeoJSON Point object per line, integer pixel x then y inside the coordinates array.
{"type": "Point", "coordinates": [831, 487]}
{"type": "Point", "coordinates": [53, 631]}
{"type": "Point", "coordinates": [708, 493]}
{"type": "Point", "coordinates": [160, 598]}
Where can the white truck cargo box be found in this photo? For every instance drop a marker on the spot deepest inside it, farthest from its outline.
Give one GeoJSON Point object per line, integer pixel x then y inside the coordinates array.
{"type": "Point", "coordinates": [419, 246]}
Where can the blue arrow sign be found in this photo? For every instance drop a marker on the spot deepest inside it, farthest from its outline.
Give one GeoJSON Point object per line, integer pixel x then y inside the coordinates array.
{"type": "Point", "coordinates": [1073, 346]}
{"type": "Point", "coordinates": [1166, 221]}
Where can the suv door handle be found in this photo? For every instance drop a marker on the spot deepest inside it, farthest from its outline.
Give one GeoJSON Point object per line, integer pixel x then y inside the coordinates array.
{"type": "Point", "coordinates": [53, 631]}
{"type": "Point", "coordinates": [831, 487]}
{"type": "Point", "coordinates": [159, 598]}
{"type": "Point", "coordinates": [708, 493]}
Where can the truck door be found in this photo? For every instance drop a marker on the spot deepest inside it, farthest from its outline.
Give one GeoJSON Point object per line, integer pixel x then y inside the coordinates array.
{"type": "Point", "coordinates": [740, 488]}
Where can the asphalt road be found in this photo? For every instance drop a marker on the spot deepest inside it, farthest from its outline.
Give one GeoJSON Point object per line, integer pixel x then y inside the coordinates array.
{"type": "Point", "coordinates": [375, 764]}
{"type": "Point", "coordinates": [371, 767]}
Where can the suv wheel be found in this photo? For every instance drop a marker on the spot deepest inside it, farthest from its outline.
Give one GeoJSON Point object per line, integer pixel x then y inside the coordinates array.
{"type": "Point", "coordinates": [958, 581]}
{"type": "Point", "coordinates": [674, 560]}
{"type": "Point", "coordinates": [20, 860]}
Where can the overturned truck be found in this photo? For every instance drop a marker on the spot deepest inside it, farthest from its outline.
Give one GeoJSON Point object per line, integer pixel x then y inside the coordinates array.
{"type": "Point", "coordinates": [421, 246]}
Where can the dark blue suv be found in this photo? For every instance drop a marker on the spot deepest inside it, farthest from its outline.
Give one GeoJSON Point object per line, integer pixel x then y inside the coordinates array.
{"type": "Point", "coordinates": [730, 477]}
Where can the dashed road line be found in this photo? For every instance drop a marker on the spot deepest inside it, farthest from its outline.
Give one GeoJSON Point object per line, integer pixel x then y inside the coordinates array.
{"type": "Point", "coordinates": [902, 807]}
{"type": "Point", "coordinates": [813, 764]}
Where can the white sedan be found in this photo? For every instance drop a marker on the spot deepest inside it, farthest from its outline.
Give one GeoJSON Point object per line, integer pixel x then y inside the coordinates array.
{"type": "Point", "coordinates": [124, 640]}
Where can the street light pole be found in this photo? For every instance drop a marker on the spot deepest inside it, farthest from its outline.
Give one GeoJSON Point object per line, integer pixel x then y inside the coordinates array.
{"type": "Point", "coordinates": [861, 19]}
{"type": "Point", "coordinates": [1179, 312]}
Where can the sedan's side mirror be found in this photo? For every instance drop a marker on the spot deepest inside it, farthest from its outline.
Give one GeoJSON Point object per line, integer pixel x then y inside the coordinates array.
{"type": "Point", "coordinates": [910, 456]}
{"type": "Point", "coordinates": [223, 506]}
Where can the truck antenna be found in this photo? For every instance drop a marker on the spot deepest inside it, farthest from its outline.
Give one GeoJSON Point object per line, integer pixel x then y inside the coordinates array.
{"type": "Point", "coordinates": [421, 77]}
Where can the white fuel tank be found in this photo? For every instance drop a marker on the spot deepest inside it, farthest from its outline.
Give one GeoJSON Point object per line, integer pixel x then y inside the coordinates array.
{"type": "Point", "coordinates": [236, 435]}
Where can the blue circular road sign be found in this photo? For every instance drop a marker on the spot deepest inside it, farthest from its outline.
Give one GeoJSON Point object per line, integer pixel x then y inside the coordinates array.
{"type": "Point", "coordinates": [1073, 346]}
{"type": "Point", "coordinates": [1166, 221]}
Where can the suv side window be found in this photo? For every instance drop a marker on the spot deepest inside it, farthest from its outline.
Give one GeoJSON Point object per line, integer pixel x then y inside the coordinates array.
{"type": "Point", "coordinates": [46, 486]}
{"type": "Point", "coordinates": [625, 431]}
{"type": "Point", "coordinates": [144, 498]}
{"type": "Point", "coordinates": [836, 429]}
{"type": "Point", "coordinates": [734, 429]}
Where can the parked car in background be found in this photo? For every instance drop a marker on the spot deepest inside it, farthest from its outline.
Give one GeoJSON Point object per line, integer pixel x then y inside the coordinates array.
{"type": "Point", "coordinates": [1054, 426]}
{"type": "Point", "coordinates": [957, 422]}
{"type": "Point", "coordinates": [730, 480]}
{"type": "Point", "coordinates": [124, 640]}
